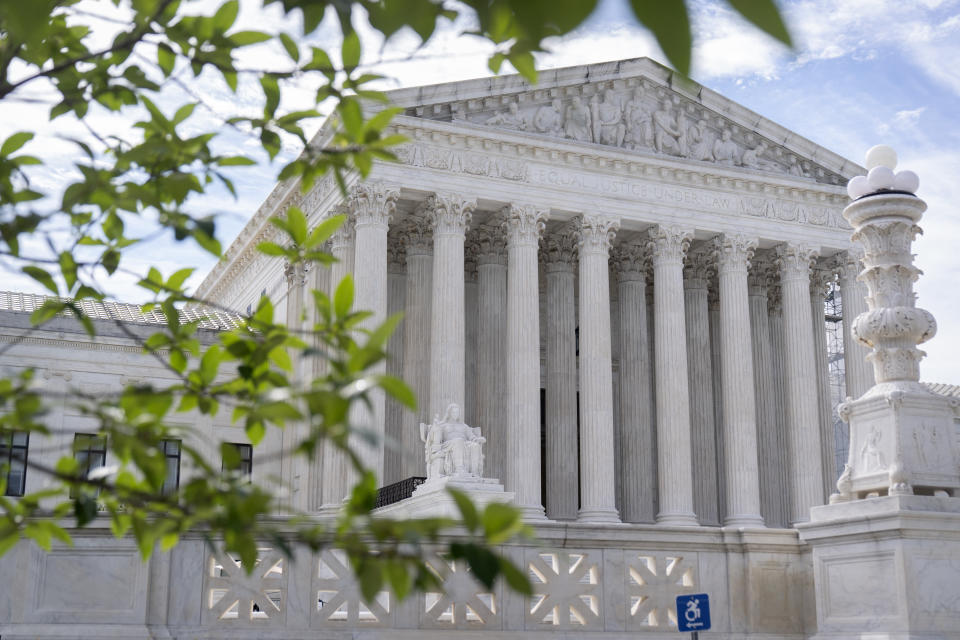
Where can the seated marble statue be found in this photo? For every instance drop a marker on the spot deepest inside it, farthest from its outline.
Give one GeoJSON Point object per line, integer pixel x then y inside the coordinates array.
{"type": "Point", "coordinates": [509, 119]}
{"type": "Point", "coordinates": [451, 447]}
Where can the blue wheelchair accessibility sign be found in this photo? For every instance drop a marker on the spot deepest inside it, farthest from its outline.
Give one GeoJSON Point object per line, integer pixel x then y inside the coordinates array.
{"type": "Point", "coordinates": [693, 612]}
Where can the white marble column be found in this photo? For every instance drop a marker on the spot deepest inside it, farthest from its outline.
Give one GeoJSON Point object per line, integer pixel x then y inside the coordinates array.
{"type": "Point", "coordinates": [820, 280]}
{"type": "Point", "coordinates": [524, 224]}
{"type": "Point", "coordinates": [636, 443]}
{"type": "Point", "coordinates": [713, 312]}
{"type": "Point", "coordinates": [373, 204]}
{"type": "Point", "coordinates": [771, 489]}
{"type": "Point", "coordinates": [471, 297]}
{"type": "Point", "coordinates": [697, 269]}
{"type": "Point", "coordinates": [491, 343]}
{"type": "Point", "coordinates": [778, 365]}
{"type": "Point", "coordinates": [418, 246]}
{"type": "Point", "coordinates": [450, 217]}
{"type": "Point", "coordinates": [319, 279]}
{"type": "Point", "coordinates": [739, 404]}
{"type": "Point", "coordinates": [338, 476]}
{"type": "Point", "coordinates": [800, 382]}
{"type": "Point", "coordinates": [597, 463]}
{"type": "Point", "coordinates": [858, 374]}
{"type": "Point", "coordinates": [396, 303]}
{"type": "Point", "coordinates": [293, 467]}
{"type": "Point", "coordinates": [668, 246]}
{"type": "Point", "coordinates": [562, 455]}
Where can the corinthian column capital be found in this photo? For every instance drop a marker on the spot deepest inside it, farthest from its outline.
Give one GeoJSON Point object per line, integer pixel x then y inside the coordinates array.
{"type": "Point", "coordinates": [848, 264]}
{"type": "Point", "coordinates": [733, 252]}
{"type": "Point", "coordinates": [342, 238]}
{"type": "Point", "coordinates": [295, 274]}
{"type": "Point", "coordinates": [595, 233]}
{"type": "Point", "coordinates": [631, 261]}
{"type": "Point", "coordinates": [821, 277]}
{"type": "Point", "coordinates": [449, 214]}
{"type": "Point", "coordinates": [373, 203]}
{"type": "Point", "coordinates": [491, 244]}
{"type": "Point", "coordinates": [795, 260]}
{"type": "Point", "coordinates": [561, 248]}
{"type": "Point", "coordinates": [669, 243]}
{"type": "Point", "coordinates": [416, 235]}
{"type": "Point", "coordinates": [699, 267]}
{"type": "Point", "coordinates": [523, 224]}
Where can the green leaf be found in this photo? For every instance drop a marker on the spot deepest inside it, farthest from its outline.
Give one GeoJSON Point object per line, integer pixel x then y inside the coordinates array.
{"type": "Point", "coordinates": [324, 230]}
{"type": "Point", "coordinates": [343, 297]}
{"type": "Point", "coordinates": [271, 249]}
{"type": "Point", "coordinates": [226, 15]}
{"type": "Point", "coordinates": [516, 579]}
{"type": "Point", "coordinates": [297, 225]}
{"type": "Point", "coordinates": [236, 161]}
{"type": "Point", "coordinates": [525, 64]}
{"type": "Point", "coordinates": [68, 267]}
{"type": "Point", "coordinates": [765, 15]}
{"type": "Point", "coordinates": [471, 519]}
{"type": "Point", "coordinates": [670, 24]}
{"type": "Point", "coordinates": [292, 50]}
{"type": "Point", "coordinates": [246, 38]}
{"type": "Point", "coordinates": [166, 58]}
{"type": "Point", "coordinates": [14, 142]}
{"type": "Point", "coordinates": [399, 391]}
{"type": "Point", "coordinates": [184, 112]}
{"type": "Point", "coordinates": [350, 51]}
{"type": "Point", "coordinates": [399, 577]}
{"type": "Point", "coordinates": [43, 277]}
{"type": "Point", "coordinates": [371, 578]}
{"type": "Point", "coordinates": [500, 522]}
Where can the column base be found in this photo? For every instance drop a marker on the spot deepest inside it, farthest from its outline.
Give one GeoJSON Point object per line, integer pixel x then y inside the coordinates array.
{"type": "Point", "coordinates": [746, 521]}
{"type": "Point", "coordinates": [599, 515]}
{"type": "Point", "coordinates": [532, 513]}
{"type": "Point", "coordinates": [681, 519]}
{"type": "Point", "coordinates": [329, 510]}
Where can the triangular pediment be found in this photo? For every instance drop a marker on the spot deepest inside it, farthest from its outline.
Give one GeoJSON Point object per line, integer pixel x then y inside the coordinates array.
{"type": "Point", "coordinates": [635, 105]}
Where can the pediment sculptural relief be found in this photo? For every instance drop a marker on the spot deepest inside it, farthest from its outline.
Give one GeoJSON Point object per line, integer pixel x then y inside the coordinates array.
{"type": "Point", "coordinates": [642, 118]}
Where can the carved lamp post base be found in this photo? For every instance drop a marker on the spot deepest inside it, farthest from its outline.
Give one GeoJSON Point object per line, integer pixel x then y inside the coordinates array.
{"type": "Point", "coordinates": [886, 551]}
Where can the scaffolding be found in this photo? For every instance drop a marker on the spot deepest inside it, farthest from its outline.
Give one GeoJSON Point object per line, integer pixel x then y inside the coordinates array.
{"type": "Point", "coordinates": [833, 321]}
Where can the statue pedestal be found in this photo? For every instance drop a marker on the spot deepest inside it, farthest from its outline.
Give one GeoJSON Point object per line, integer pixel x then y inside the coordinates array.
{"type": "Point", "coordinates": [886, 568]}
{"type": "Point", "coordinates": [431, 500]}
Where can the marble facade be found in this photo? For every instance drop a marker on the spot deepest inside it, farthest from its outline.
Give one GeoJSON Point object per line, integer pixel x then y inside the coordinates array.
{"type": "Point", "coordinates": [618, 276]}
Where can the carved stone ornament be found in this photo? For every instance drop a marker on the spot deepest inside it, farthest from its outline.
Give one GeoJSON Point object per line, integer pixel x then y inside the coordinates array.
{"type": "Point", "coordinates": [295, 274]}
{"type": "Point", "coordinates": [733, 252]}
{"type": "Point", "coordinates": [449, 214]}
{"type": "Point", "coordinates": [561, 248]}
{"type": "Point", "coordinates": [373, 203]}
{"type": "Point", "coordinates": [634, 114]}
{"type": "Point", "coordinates": [523, 224]}
{"type": "Point", "coordinates": [491, 244]}
{"type": "Point", "coordinates": [416, 234]}
{"type": "Point", "coordinates": [451, 447]}
{"type": "Point", "coordinates": [795, 260]}
{"type": "Point", "coordinates": [342, 238]}
{"type": "Point", "coordinates": [631, 261]}
{"type": "Point", "coordinates": [669, 243]}
{"type": "Point", "coordinates": [596, 233]}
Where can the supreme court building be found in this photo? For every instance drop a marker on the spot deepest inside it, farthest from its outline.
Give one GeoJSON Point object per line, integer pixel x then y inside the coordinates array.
{"type": "Point", "coordinates": [619, 276]}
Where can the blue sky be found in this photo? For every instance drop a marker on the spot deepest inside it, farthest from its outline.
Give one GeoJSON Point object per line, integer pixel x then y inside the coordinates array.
{"type": "Point", "coordinates": [863, 72]}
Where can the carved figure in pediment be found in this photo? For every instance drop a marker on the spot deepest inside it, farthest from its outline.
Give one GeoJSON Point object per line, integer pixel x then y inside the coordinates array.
{"type": "Point", "coordinates": [700, 141]}
{"type": "Point", "coordinates": [549, 119]}
{"type": "Point", "coordinates": [667, 134]}
{"type": "Point", "coordinates": [725, 150]}
{"type": "Point", "coordinates": [509, 119]}
{"type": "Point", "coordinates": [639, 123]}
{"type": "Point", "coordinates": [754, 159]}
{"type": "Point", "coordinates": [608, 127]}
{"type": "Point", "coordinates": [794, 167]}
{"type": "Point", "coordinates": [577, 121]}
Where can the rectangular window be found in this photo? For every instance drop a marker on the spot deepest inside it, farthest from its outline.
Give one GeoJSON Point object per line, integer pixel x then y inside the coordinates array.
{"type": "Point", "coordinates": [171, 450]}
{"type": "Point", "coordinates": [245, 453]}
{"type": "Point", "coordinates": [90, 452]}
{"type": "Point", "coordinates": [13, 461]}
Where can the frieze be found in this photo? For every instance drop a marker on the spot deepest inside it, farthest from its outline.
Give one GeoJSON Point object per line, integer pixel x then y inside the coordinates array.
{"type": "Point", "coordinates": [635, 114]}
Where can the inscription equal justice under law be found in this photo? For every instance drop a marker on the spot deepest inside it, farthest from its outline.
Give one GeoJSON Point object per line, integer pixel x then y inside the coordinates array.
{"type": "Point", "coordinates": [738, 204]}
